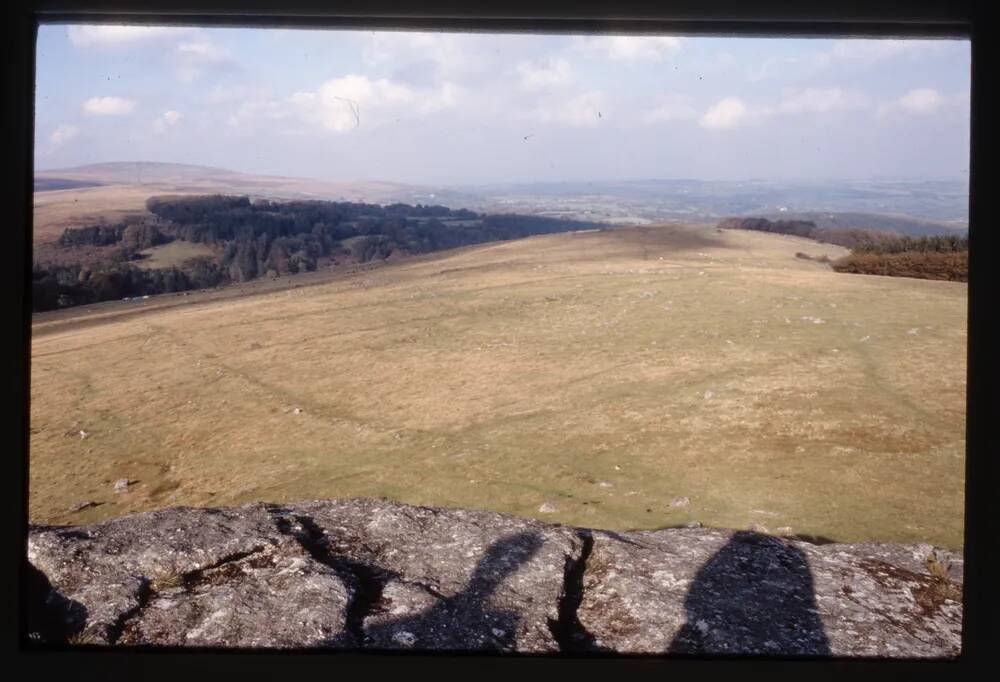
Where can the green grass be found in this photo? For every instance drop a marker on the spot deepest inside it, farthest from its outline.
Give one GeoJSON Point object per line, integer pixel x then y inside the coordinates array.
{"type": "Point", "coordinates": [171, 254]}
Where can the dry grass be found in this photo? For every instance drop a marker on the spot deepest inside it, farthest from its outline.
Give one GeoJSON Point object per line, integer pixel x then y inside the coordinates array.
{"type": "Point", "coordinates": [84, 638]}
{"type": "Point", "coordinates": [166, 581]}
{"type": "Point", "coordinates": [55, 211]}
{"type": "Point", "coordinates": [171, 254]}
{"type": "Point", "coordinates": [667, 362]}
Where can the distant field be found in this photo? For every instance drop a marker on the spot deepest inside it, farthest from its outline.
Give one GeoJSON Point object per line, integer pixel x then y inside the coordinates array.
{"type": "Point", "coordinates": [901, 224]}
{"type": "Point", "coordinates": [171, 254]}
{"type": "Point", "coordinates": [109, 191]}
{"type": "Point", "coordinates": [51, 184]}
{"type": "Point", "coordinates": [633, 378]}
{"type": "Point", "coordinates": [59, 209]}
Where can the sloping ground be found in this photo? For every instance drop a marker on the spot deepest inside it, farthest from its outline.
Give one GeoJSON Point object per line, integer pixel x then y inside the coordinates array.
{"type": "Point", "coordinates": [377, 575]}
{"type": "Point", "coordinates": [634, 378]}
{"type": "Point", "coordinates": [171, 254]}
{"type": "Point", "coordinates": [56, 210]}
{"type": "Point", "coordinates": [204, 179]}
{"type": "Point", "coordinates": [126, 186]}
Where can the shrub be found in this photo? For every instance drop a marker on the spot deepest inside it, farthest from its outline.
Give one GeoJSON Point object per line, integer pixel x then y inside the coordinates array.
{"type": "Point", "coordinates": [951, 266]}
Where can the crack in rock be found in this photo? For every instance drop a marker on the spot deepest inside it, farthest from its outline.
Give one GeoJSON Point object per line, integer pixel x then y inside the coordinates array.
{"type": "Point", "coordinates": [118, 628]}
{"type": "Point", "coordinates": [366, 582]}
{"type": "Point", "coordinates": [567, 630]}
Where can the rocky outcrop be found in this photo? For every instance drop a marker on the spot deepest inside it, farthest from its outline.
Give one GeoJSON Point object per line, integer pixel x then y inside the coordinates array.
{"type": "Point", "coordinates": [374, 574]}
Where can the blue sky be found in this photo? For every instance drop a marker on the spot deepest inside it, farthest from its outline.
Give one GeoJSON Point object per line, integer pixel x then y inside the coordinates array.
{"type": "Point", "coordinates": [447, 108]}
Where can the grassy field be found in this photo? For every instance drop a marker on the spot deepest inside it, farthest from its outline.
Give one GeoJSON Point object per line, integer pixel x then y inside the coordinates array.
{"type": "Point", "coordinates": [635, 378]}
{"type": "Point", "coordinates": [56, 210]}
{"type": "Point", "coordinates": [171, 254]}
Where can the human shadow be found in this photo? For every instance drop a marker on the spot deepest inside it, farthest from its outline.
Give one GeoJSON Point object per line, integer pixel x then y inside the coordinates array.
{"type": "Point", "coordinates": [50, 617]}
{"type": "Point", "coordinates": [465, 621]}
{"type": "Point", "coordinates": [753, 597]}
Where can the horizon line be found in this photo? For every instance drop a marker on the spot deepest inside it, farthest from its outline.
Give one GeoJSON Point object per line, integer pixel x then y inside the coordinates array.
{"type": "Point", "coordinates": [805, 181]}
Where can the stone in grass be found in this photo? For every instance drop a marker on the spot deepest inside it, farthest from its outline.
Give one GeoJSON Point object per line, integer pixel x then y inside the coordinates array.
{"type": "Point", "coordinates": [547, 508]}
{"type": "Point", "coordinates": [757, 528]}
{"type": "Point", "coordinates": [122, 484]}
{"type": "Point", "coordinates": [680, 502]}
{"type": "Point", "coordinates": [86, 504]}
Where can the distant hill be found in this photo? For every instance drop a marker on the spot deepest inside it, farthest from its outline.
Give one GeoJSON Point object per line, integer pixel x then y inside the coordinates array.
{"type": "Point", "coordinates": [50, 184]}
{"type": "Point", "coordinates": [902, 224]}
{"type": "Point", "coordinates": [934, 202]}
{"type": "Point", "coordinates": [107, 192]}
{"type": "Point", "coordinates": [205, 179]}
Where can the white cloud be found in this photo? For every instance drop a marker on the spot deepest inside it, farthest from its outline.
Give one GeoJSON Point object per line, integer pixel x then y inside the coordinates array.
{"type": "Point", "coordinates": [447, 53]}
{"type": "Point", "coordinates": [108, 106]}
{"type": "Point", "coordinates": [193, 58]}
{"type": "Point", "coordinates": [64, 133]}
{"type": "Point", "coordinates": [585, 109]}
{"type": "Point", "coordinates": [728, 112]}
{"type": "Point", "coordinates": [672, 107]}
{"type": "Point", "coordinates": [819, 101]}
{"type": "Point", "coordinates": [921, 101]}
{"type": "Point", "coordinates": [165, 121]}
{"type": "Point", "coordinates": [116, 35]}
{"type": "Point", "coordinates": [257, 108]}
{"type": "Point", "coordinates": [631, 48]}
{"type": "Point", "coordinates": [544, 74]}
{"type": "Point", "coordinates": [731, 112]}
{"type": "Point", "coordinates": [203, 50]}
{"type": "Point", "coordinates": [863, 52]}
{"type": "Point", "coordinates": [346, 103]}
{"type": "Point", "coordinates": [870, 51]}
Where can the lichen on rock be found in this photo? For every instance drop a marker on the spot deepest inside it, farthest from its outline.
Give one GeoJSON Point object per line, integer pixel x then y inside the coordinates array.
{"type": "Point", "coordinates": [374, 574]}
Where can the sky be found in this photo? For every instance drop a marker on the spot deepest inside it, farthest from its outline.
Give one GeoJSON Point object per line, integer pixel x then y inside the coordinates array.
{"type": "Point", "coordinates": [462, 109]}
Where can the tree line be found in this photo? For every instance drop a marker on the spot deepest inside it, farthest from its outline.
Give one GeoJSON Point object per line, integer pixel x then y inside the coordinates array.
{"type": "Point", "coordinates": [876, 252]}
{"type": "Point", "coordinates": [848, 237]}
{"type": "Point", "coordinates": [944, 257]}
{"type": "Point", "coordinates": [264, 238]}
{"type": "Point", "coordinates": [929, 244]}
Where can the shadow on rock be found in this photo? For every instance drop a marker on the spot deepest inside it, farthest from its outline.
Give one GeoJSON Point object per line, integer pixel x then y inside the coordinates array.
{"type": "Point", "coordinates": [50, 618]}
{"type": "Point", "coordinates": [465, 621]}
{"type": "Point", "coordinates": [754, 596]}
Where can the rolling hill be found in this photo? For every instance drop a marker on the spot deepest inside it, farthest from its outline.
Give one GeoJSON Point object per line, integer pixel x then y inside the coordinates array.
{"type": "Point", "coordinates": [620, 379]}
{"type": "Point", "coordinates": [118, 189]}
